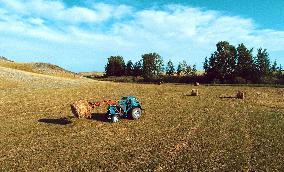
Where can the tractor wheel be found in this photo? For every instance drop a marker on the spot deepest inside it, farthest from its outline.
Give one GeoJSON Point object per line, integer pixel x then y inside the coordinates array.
{"type": "Point", "coordinates": [136, 113]}
{"type": "Point", "coordinates": [114, 118]}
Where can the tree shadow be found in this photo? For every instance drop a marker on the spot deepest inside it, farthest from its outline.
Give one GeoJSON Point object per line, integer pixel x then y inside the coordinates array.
{"type": "Point", "coordinates": [58, 121]}
{"type": "Point", "coordinates": [99, 117]}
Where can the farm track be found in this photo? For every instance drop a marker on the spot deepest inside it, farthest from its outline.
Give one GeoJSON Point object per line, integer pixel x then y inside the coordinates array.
{"type": "Point", "coordinates": [176, 132]}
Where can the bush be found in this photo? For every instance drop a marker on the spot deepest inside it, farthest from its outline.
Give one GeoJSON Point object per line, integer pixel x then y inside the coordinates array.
{"type": "Point", "coordinates": [122, 79]}
{"type": "Point", "coordinates": [184, 79]}
{"type": "Point", "coordinates": [239, 80]}
{"type": "Point", "coordinates": [216, 81]}
{"type": "Point", "coordinates": [281, 81]}
{"type": "Point", "coordinates": [268, 80]}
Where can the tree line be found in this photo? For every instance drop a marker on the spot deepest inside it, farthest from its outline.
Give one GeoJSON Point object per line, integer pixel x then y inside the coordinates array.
{"type": "Point", "coordinates": [228, 64]}
{"type": "Point", "coordinates": [150, 67]}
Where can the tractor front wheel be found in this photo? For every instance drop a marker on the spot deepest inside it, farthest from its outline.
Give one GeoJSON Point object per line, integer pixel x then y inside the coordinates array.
{"type": "Point", "coordinates": [114, 118]}
{"type": "Point", "coordinates": [136, 113]}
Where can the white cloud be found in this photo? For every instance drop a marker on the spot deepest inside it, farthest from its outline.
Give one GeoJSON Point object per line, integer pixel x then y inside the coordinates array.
{"type": "Point", "coordinates": [58, 12]}
{"type": "Point", "coordinates": [12, 4]}
{"type": "Point", "coordinates": [174, 31]}
{"type": "Point", "coordinates": [36, 21]}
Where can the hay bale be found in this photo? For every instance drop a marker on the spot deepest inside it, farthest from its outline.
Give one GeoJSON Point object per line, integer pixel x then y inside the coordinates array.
{"type": "Point", "coordinates": [194, 92]}
{"type": "Point", "coordinates": [196, 84]}
{"type": "Point", "coordinates": [240, 95]}
{"type": "Point", "coordinates": [82, 109]}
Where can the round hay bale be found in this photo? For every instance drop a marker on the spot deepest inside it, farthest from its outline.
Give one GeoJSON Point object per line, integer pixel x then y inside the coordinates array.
{"type": "Point", "coordinates": [194, 92]}
{"type": "Point", "coordinates": [196, 84]}
{"type": "Point", "coordinates": [82, 109]}
{"type": "Point", "coordinates": [240, 95]}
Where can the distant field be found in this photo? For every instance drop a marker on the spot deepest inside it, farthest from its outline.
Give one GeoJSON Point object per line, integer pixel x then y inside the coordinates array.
{"type": "Point", "coordinates": [86, 74]}
{"type": "Point", "coordinates": [176, 132]}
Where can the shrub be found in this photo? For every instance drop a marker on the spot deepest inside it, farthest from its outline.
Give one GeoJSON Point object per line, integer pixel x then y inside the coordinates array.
{"type": "Point", "coordinates": [239, 80]}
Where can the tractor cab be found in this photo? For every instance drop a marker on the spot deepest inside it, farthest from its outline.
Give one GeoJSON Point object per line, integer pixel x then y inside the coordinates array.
{"type": "Point", "coordinates": [127, 103]}
{"type": "Point", "coordinates": [126, 107]}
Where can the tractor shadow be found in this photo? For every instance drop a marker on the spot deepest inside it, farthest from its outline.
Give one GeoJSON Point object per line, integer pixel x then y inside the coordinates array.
{"type": "Point", "coordinates": [99, 117]}
{"type": "Point", "coordinates": [57, 121]}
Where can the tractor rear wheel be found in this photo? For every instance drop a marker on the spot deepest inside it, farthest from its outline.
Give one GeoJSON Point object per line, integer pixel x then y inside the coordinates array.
{"type": "Point", "coordinates": [114, 118]}
{"type": "Point", "coordinates": [136, 113]}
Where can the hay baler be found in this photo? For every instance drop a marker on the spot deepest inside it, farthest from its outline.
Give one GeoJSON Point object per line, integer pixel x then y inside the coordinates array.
{"type": "Point", "coordinates": [127, 107]}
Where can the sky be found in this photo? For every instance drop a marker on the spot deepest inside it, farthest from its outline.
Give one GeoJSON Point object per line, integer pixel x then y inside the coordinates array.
{"type": "Point", "coordinates": [80, 35]}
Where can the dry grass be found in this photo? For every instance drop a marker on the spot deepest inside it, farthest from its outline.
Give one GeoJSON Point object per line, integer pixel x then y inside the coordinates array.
{"type": "Point", "coordinates": [6, 83]}
{"type": "Point", "coordinates": [40, 68]}
{"type": "Point", "coordinates": [175, 133]}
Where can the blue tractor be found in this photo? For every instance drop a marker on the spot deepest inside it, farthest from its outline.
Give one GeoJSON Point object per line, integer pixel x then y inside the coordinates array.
{"type": "Point", "coordinates": [127, 107]}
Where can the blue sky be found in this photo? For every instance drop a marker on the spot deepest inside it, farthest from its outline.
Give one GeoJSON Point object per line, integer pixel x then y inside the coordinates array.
{"type": "Point", "coordinates": [81, 35]}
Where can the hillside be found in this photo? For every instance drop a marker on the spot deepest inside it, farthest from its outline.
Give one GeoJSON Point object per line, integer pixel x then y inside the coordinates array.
{"type": "Point", "coordinates": [40, 68]}
{"type": "Point", "coordinates": [13, 78]}
{"type": "Point", "coordinates": [32, 76]}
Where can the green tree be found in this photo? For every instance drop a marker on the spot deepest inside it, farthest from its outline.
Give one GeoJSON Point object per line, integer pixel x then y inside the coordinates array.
{"type": "Point", "coordinates": [170, 69]}
{"type": "Point", "coordinates": [279, 71]}
{"type": "Point", "coordinates": [159, 65]}
{"type": "Point", "coordinates": [194, 70]}
{"type": "Point", "coordinates": [245, 65]}
{"type": "Point", "coordinates": [179, 69]}
{"type": "Point", "coordinates": [280, 75]}
{"type": "Point", "coordinates": [274, 68]}
{"type": "Point", "coordinates": [262, 63]}
{"type": "Point", "coordinates": [182, 68]}
{"type": "Point", "coordinates": [115, 66]}
{"type": "Point", "coordinates": [152, 65]}
{"type": "Point", "coordinates": [188, 70]}
{"type": "Point", "coordinates": [206, 65]}
{"type": "Point", "coordinates": [138, 68]}
{"type": "Point", "coordinates": [129, 68]}
{"type": "Point", "coordinates": [222, 63]}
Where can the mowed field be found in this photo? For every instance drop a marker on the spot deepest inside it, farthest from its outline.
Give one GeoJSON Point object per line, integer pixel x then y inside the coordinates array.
{"type": "Point", "coordinates": [176, 132]}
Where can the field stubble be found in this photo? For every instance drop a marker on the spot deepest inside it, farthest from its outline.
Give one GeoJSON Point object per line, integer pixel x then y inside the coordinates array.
{"type": "Point", "coordinates": [175, 133]}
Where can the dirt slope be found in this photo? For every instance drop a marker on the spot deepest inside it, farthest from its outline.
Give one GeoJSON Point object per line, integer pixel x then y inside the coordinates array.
{"type": "Point", "coordinates": [41, 68]}
{"type": "Point", "coordinates": [12, 78]}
